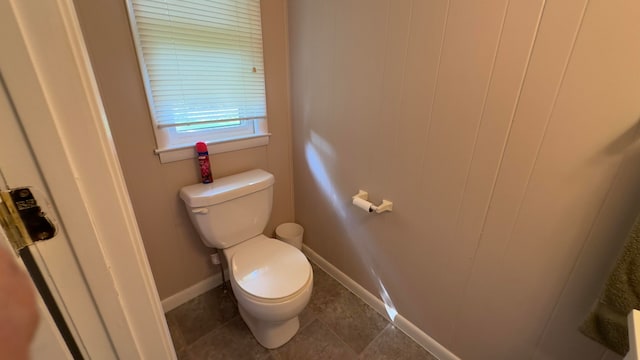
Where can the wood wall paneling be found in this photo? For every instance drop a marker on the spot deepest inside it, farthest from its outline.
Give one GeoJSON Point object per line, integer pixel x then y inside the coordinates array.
{"type": "Point", "coordinates": [506, 132]}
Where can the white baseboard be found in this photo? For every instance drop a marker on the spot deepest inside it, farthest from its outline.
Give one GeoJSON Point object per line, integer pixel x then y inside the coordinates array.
{"type": "Point", "coordinates": [404, 325]}
{"type": "Point", "coordinates": [191, 292]}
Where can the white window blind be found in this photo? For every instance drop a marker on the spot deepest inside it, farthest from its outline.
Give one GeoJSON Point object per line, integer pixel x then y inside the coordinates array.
{"type": "Point", "coordinates": [203, 66]}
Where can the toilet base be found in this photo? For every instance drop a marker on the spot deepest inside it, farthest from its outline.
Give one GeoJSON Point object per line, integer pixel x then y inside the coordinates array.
{"type": "Point", "coordinates": [271, 335]}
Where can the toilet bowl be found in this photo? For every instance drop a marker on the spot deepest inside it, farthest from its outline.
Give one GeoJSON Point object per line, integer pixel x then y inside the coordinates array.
{"type": "Point", "coordinates": [272, 284]}
{"type": "Point", "coordinates": [271, 280]}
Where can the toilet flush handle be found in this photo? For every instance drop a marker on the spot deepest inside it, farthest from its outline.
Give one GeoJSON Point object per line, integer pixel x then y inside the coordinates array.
{"type": "Point", "coordinates": [200, 210]}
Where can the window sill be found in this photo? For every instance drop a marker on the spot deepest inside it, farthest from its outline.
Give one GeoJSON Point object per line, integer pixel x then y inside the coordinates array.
{"type": "Point", "coordinates": [215, 147]}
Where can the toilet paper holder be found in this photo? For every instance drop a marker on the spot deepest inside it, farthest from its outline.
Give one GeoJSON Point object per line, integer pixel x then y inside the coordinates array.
{"type": "Point", "coordinates": [361, 200]}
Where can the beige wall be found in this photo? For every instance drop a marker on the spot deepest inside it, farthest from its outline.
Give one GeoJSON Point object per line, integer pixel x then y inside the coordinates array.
{"type": "Point", "coordinates": [177, 256]}
{"type": "Point", "coordinates": [505, 134]}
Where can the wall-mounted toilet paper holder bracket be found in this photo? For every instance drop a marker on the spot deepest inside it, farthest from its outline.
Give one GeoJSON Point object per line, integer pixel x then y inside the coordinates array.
{"type": "Point", "coordinates": [361, 200]}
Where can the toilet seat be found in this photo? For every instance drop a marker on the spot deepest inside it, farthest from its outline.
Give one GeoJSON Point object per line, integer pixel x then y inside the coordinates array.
{"type": "Point", "coordinates": [286, 299]}
{"type": "Point", "coordinates": [268, 269]}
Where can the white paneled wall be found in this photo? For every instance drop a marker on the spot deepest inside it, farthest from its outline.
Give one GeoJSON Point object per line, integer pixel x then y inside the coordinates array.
{"type": "Point", "coordinates": [504, 132]}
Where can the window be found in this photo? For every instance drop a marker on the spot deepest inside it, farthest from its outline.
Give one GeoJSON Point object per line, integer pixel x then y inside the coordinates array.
{"type": "Point", "coordinates": [202, 64]}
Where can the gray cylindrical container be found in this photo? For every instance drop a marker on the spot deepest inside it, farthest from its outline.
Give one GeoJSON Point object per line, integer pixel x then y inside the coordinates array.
{"type": "Point", "coordinates": [291, 233]}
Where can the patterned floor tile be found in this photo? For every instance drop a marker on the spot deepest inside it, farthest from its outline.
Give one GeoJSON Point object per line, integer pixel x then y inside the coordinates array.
{"type": "Point", "coordinates": [392, 344]}
{"type": "Point", "coordinates": [356, 323]}
{"type": "Point", "coordinates": [315, 342]}
{"type": "Point", "coordinates": [231, 341]}
{"type": "Point", "coordinates": [200, 315]}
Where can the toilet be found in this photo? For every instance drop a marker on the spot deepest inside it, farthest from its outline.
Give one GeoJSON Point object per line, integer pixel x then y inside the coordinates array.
{"type": "Point", "coordinates": [271, 280]}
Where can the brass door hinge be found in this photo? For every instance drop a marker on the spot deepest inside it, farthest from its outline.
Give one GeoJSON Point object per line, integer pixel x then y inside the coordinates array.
{"type": "Point", "coordinates": [23, 219]}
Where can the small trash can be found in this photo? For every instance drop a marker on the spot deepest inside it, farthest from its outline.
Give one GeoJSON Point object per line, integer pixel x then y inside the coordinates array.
{"type": "Point", "coordinates": [291, 233]}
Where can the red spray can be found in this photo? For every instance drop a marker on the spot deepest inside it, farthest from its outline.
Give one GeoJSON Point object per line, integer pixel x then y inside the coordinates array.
{"type": "Point", "coordinates": [205, 166]}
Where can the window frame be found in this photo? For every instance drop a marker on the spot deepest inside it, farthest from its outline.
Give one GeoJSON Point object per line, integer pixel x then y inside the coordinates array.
{"type": "Point", "coordinates": [251, 133]}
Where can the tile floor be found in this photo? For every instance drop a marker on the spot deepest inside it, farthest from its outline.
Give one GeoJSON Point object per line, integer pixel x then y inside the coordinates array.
{"type": "Point", "coordinates": [335, 325]}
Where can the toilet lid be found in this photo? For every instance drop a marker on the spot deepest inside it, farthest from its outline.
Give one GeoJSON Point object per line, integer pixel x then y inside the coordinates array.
{"type": "Point", "coordinates": [270, 269]}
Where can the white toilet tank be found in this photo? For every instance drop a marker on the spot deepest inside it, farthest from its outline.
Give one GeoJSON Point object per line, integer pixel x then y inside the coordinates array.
{"type": "Point", "coordinates": [232, 209]}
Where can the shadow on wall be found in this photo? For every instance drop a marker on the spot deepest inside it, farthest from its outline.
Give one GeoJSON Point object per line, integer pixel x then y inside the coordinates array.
{"type": "Point", "coordinates": [320, 157]}
{"type": "Point", "coordinates": [623, 142]}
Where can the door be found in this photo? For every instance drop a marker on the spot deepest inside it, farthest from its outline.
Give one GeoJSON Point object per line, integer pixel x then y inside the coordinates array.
{"type": "Point", "coordinates": [47, 341]}
{"type": "Point", "coordinates": [53, 258]}
{"type": "Point", "coordinates": [60, 145]}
